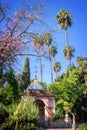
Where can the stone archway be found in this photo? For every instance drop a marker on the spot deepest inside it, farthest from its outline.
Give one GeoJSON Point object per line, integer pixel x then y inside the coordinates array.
{"type": "Point", "coordinates": [41, 107]}
{"type": "Point", "coordinates": [46, 104]}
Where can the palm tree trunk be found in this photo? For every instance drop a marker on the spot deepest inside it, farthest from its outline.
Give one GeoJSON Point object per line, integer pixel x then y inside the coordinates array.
{"type": "Point", "coordinates": [51, 70]}
{"type": "Point", "coordinates": [56, 75]}
{"type": "Point", "coordinates": [41, 69]}
{"type": "Point", "coordinates": [69, 64]}
{"type": "Point", "coordinates": [40, 66]}
{"type": "Point", "coordinates": [67, 45]}
{"type": "Point", "coordinates": [66, 36]}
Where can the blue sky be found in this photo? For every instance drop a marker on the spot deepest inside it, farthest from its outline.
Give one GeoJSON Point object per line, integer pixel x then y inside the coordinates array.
{"type": "Point", "coordinates": [77, 34]}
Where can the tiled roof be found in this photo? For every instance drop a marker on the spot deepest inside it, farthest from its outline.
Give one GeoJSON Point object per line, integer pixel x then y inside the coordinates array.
{"type": "Point", "coordinates": [40, 93]}
{"type": "Point", "coordinates": [35, 86]}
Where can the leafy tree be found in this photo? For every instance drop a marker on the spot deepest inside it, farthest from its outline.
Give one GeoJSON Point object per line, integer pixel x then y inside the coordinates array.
{"type": "Point", "coordinates": [82, 68]}
{"type": "Point", "coordinates": [22, 116]}
{"type": "Point", "coordinates": [85, 77]}
{"type": "Point", "coordinates": [25, 77]}
{"type": "Point", "coordinates": [11, 82]}
{"type": "Point", "coordinates": [26, 113]}
{"type": "Point", "coordinates": [16, 29]}
{"type": "Point", "coordinates": [8, 95]}
{"type": "Point", "coordinates": [9, 105]}
{"type": "Point", "coordinates": [69, 91]}
{"type": "Point", "coordinates": [71, 68]}
{"type": "Point", "coordinates": [1, 77]}
{"type": "Point", "coordinates": [4, 109]}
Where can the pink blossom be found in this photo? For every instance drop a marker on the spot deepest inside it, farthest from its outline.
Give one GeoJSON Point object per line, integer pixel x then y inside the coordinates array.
{"type": "Point", "coordinates": [27, 15]}
{"type": "Point", "coordinates": [16, 21]}
{"type": "Point", "coordinates": [16, 13]}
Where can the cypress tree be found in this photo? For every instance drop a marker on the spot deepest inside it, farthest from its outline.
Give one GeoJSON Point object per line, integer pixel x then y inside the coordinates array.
{"type": "Point", "coordinates": [25, 77]}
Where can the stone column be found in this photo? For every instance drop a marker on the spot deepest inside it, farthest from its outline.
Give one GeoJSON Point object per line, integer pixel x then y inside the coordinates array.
{"type": "Point", "coordinates": [49, 111]}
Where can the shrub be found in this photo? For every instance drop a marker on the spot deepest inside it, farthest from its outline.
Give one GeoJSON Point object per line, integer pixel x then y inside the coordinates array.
{"type": "Point", "coordinates": [82, 126]}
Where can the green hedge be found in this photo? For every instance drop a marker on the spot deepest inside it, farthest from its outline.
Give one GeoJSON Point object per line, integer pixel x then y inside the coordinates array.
{"type": "Point", "coordinates": [82, 126]}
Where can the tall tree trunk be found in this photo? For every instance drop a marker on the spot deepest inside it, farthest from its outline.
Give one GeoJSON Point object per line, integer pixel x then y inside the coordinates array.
{"type": "Point", "coordinates": [69, 63]}
{"type": "Point", "coordinates": [16, 126]}
{"type": "Point", "coordinates": [51, 69]}
{"type": "Point", "coordinates": [41, 69]}
{"type": "Point", "coordinates": [56, 75]}
{"type": "Point", "coordinates": [73, 122]}
{"type": "Point", "coordinates": [66, 36]}
{"type": "Point", "coordinates": [67, 45]}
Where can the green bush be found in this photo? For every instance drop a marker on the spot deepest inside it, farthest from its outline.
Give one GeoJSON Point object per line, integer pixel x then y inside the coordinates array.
{"type": "Point", "coordinates": [82, 126]}
{"type": "Point", "coordinates": [23, 115]}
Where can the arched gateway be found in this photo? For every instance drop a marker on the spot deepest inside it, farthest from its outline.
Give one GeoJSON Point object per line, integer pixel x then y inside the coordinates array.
{"type": "Point", "coordinates": [45, 102]}
{"type": "Point", "coordinates": [41, 107]}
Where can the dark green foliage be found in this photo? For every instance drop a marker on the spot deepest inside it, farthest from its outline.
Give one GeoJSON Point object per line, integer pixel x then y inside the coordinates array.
{"type": "Point", "coordinates": [3, 113]}
{"type": "Point", "coordinates": [11, 111]}
{"type": "Point", "coordinates": [8, 94]}
{"type": "Point", "coordinates": [12, 84]}
{"type": "Point", "coordinates": [22, 116]}
{"type": "Point", "coordinates": [82, 126]}
{"type": "Point", "coordinates": [25, 77]}
{"type": "Point", "coordinates": [59, 113]}
{"type": "Point", "coordinates": [81, 109]}
{"type": "Point", "coordinates": [1, 77]}
{"type": "Point", "coordinates": [71, 95]}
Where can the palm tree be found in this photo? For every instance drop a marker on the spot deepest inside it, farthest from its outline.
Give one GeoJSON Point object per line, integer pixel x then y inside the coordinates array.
{"type": "Point", "coordinates": [64, 19]}
{"type": "Point", "coordinates": [47, 38]}
{"type": "Point", "coordinates": [68, 55]}
{"type": "Point", "coordinates": [39, 42]}
{"type": "Point", "coordinates": [57, 67]}
{"type": "Point", "coordinates": [52, 53]}
{"type": "Point", "coordinates": [79, 60]}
